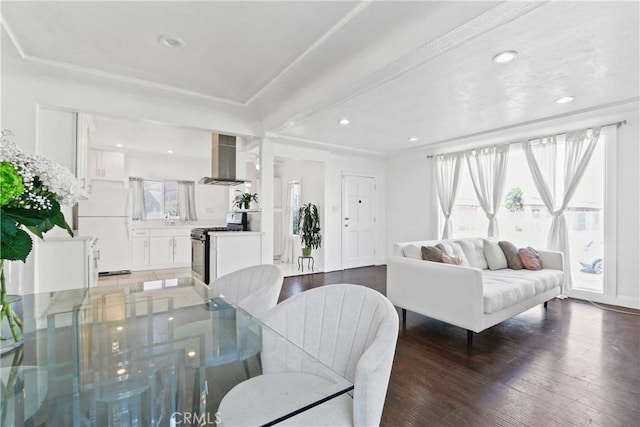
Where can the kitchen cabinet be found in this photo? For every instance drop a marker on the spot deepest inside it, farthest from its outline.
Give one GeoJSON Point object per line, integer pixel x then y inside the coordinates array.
{"type": "Point", "coordinates": [66, 263]}
{"type": "Point", "coordinates": [106, 165]}
{"type": "Point", "coordinates": [182, 250]}
{"type": "Point", "coordinates": [229, 252]}
{"type": "Point", "coordinates": [161, 250]}
{"type": "Point", "coordinates": [165, 247]}
{"type": "Point", "coordinates": [140, 249]}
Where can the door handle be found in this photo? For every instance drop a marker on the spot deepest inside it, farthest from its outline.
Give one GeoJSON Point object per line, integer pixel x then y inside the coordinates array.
{"type": "Point", "coordinates": [347, 219]}
{"type": "Point", "coordinates": [346, 225]}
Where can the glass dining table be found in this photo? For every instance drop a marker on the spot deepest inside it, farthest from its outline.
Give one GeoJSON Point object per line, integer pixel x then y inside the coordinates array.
{"type": "Point", "coordinates": [160, 353]}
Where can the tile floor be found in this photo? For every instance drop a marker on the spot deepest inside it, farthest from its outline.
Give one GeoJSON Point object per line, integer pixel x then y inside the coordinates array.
{"type": "Point", "coordinates": [144, 276]}
{"type": "Point", "coordinates": [288, 270]}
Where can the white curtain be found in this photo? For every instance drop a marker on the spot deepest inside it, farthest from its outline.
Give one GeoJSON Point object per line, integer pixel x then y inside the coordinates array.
{"type": "Point", "coordinates": [579, 146]}
{"type": "Point", "coordinates": [187, 201]}
{"type": "Point", "coordinates": [447, 169]}
{"type": "Point", "coordinates": [138, 211]}
{"type": "Point", "coordinates": [287, 238]}
{"type": "Point", "coordinates": [488, 167]}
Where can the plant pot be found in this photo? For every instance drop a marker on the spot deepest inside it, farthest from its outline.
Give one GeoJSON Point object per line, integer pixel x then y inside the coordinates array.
{"type": "Point", "coordinates": [9, 343]}
{"type": "Point", "coordinates": [306, 251]}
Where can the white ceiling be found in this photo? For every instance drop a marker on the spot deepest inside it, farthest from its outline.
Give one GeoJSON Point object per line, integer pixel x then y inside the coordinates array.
{"type": "Point", "coordinates": [395, 69]}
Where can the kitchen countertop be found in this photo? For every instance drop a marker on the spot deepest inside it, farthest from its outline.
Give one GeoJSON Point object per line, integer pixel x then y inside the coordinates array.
{"type": "Point", "coordinates": [188, 226]}
{"type": "Point", "coordinates": [235, 233]}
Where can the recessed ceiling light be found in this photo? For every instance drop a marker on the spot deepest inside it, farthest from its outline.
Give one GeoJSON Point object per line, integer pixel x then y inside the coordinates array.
{"type": "Point", "coordinates": [413, 139]}
{"type": "Point", "coordinates": [504, 57]}
{"type": "Point", "coordinates": [344, 122]}
{"type": "Point", "coordinates": [119, 145]}
{"type": "Point", "coordinates": [121, 371]}
{"type": "Point", "coordinates": [564, 99]}
{"type": "Point", "coordinates": [170, 151]}
{"type": "Point", "coordinates": [170, 41]}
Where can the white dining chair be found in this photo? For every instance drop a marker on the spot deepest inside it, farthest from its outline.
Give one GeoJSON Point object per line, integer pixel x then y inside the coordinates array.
{"type": "Point", "coordinates": [350, 328]}
{"type": "Point", "coordinates": [255, 289]}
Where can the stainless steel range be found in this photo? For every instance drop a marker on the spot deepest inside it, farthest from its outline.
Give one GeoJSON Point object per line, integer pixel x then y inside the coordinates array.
{"type": "Point", "coordinates": [201, 244]}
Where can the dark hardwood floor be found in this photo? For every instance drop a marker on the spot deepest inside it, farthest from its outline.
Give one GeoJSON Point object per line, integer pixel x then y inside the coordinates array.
{"type": "Point", "coordinates": [574, 364]}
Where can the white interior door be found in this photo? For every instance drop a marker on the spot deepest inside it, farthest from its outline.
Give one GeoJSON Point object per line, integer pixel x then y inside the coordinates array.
{"type": "Point", "coordinates": [358, 221]}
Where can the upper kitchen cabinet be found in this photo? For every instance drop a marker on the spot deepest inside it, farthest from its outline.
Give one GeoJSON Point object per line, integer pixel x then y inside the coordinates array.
{"type": "Point", "coordinates": [57, 136]}
{"type": "Point", "coordinates": [106, 165]}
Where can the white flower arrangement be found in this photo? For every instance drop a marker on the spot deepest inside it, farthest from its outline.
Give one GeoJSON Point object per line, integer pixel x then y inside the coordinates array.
{"type": "Point", "coordinates": [54, 178]}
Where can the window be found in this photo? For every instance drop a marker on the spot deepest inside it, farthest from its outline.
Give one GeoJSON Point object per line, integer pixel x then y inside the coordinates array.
{"type": "Point", "coordinates": [294, 203]}
{"type": "Point", "coordinates": [524, 220]}
{"type": "Point", "coordinates": [161, 199]}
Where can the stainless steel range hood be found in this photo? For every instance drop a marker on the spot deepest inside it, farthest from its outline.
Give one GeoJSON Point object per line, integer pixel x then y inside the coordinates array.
{"type": "Point", "coordinates": [223, 161]}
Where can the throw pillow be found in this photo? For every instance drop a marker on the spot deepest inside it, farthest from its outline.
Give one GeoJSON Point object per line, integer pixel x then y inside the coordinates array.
{"type": "Point", "coordinates": [474, 253]}
{"type": "Point", "coordinates": [454, 250]}
{"type": "Point", "coordinates": [530, 258]}
{"type": "Point", "coordinates": [511, 254]}
{"type": "Point", "coordinates": [429, 253]}
{"type": "Point", "coordinates": [494, 255]}
{"type": "Point", "coordinates": [451, 259]}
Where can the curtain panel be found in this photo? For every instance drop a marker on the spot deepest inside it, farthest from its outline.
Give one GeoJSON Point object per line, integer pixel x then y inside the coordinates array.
{"type": "Point", "coordinates": [579, 146]}
{"type": "Point", "coordinates": [187, 201]}
{"type": "Point", "coordinates": [287, 237]}
{"type": "Point", "coordinates": [488, 167]}
{"type": "Point", "coordinates": [138, 209]}
{"type": "Point", "coordinates": [447, 170]}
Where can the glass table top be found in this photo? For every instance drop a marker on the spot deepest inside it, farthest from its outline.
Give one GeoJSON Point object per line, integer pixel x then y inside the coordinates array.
{"type": "Point", "coordinates": [154, 353]}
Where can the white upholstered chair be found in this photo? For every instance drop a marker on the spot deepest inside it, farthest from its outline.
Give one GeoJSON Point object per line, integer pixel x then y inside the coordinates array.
{"type": "Point", "coordinates": [255, 289]}
{"type": "Point", "coordinates": [350, 328]}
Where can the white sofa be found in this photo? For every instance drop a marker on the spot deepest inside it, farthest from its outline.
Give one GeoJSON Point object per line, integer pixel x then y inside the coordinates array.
{"type": "Point", "coordinates": [468, 297]}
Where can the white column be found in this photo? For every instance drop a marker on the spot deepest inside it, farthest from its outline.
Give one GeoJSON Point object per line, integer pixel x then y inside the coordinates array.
{"type": "Point", "coordinates": [266, 198]}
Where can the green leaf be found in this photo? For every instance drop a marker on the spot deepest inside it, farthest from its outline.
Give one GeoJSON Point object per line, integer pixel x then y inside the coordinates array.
{"type": "Point", "coordinates": [58, 219]}
{"type": "Point", "coordinates": [9, 225]}
{"type": "Point", "coordinates": [17, 248]}
{"type": "Point", "coordinates": [35, 230]}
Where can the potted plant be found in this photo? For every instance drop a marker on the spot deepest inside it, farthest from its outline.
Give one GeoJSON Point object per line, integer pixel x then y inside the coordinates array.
{"type": "Point", "coordinates": [309, 225]}
{"type": "Point", "coordinates": [32, 189]}
{"type": "Point", "coordinates": [243, 200]}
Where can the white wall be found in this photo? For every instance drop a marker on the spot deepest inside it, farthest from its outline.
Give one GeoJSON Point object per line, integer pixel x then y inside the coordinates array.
{"type": "Point", "coordinates": [409, 178]}
{"type": "Point", "coordinates": [410, 193]}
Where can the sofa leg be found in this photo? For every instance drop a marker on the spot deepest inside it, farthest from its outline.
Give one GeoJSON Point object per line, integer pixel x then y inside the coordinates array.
{"type": "Point", "coordinates": [469, 338]}
{"type": "Point", "coordinates": [545, 304]}
{"type": "Point", "coordinates": [404, 315]}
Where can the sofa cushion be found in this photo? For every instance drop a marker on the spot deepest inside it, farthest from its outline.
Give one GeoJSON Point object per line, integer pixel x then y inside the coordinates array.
{"type": "Point", "coordinates": [511, 254]}
{"type": "Point", "coordinates": [454, 250]}
{"type": "Point", "coordinates": [431, 253]}
{"type": "Point", "coordinates": [530, 258]}
{"type": "Point", "coordinates": [413, 251]}
{"type": "Point", "coordinates": [494, 255]}
{"type": "Point", "coordinates": [473, 251]}
{"type": "Point", "coordinates": [505, 288]}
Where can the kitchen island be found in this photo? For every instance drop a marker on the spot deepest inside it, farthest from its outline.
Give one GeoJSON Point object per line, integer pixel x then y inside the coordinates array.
{"type": "Point", "coordinates": [233, 250]}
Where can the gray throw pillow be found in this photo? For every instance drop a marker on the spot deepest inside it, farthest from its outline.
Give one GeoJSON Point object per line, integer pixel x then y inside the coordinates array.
{"type": "Point", "coordinates": [511, 253]}
{"type": "Point", "coordinates": [429, 253]}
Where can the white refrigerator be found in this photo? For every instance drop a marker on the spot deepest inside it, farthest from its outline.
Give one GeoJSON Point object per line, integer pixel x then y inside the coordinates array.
{"type": "Point", "coordinates": [107, 216]}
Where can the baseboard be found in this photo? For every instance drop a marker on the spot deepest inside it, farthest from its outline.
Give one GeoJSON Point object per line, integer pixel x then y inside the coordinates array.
{"type": "Point", "coordinates": [620, 301]}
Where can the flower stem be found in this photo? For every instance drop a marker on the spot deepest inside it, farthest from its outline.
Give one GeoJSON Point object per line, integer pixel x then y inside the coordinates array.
{"type": "Point", "coordinates": [14, 321]}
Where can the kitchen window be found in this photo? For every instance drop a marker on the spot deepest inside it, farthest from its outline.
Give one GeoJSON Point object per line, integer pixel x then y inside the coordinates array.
{"type": "Point", "coordinates": [161, 199]}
